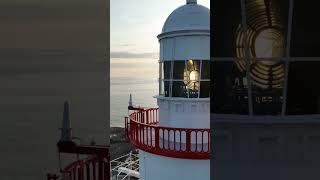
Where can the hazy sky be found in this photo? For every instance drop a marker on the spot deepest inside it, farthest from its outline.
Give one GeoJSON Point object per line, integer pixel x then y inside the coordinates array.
{"type": "Point", "coordinates": [135, 25]}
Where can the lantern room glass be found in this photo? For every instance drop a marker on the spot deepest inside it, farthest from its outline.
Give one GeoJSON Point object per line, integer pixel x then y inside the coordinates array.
{"type": "Point", "coordinates": [183, 78]}
{"type": "Point", "coordinates": [273, 54]}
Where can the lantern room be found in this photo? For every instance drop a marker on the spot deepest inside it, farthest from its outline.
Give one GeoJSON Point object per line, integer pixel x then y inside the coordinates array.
{"type": "Point", "coordinates": [185, 53]}
{"type": "Point", "coordinates": [185, 78]}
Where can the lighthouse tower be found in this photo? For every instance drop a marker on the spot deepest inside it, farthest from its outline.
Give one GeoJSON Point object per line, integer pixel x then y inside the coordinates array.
{"type": "Point", "coordinates": [174, 139]}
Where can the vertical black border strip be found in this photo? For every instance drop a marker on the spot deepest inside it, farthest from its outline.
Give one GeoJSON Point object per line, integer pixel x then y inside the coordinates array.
{"type": "Point", "coordinates": [211, 89]}
{"type": "Point", "coordinates": [107, 66]}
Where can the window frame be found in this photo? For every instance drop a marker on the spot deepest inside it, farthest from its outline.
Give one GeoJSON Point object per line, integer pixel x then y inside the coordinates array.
{"type": "Point", "coordinates": [171, 80]}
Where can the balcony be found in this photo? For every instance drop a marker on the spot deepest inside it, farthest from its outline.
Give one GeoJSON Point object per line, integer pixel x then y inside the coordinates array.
{"type": "Point", "coordinates": [142, 128]}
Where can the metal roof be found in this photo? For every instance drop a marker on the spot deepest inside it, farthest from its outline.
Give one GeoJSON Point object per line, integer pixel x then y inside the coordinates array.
{"type": "Point", "coordinates": [191, 16]}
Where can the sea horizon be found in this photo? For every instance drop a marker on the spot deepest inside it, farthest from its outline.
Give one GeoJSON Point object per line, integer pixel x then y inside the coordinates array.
{"type": "Point", "coordinates": [136, 76]}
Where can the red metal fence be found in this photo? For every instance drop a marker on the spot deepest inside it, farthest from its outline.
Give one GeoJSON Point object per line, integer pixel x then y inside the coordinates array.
{"type": "Point", "coordinates": [143, 131]}
{"type": "Point", "coordinates": [92, 168]}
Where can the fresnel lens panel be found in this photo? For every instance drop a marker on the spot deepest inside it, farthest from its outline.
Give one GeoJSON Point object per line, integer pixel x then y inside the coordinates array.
{"type": "Point", "coordinates": [183, 78]}
{"type": "Point", "coordinates": [191, 78]}
{"type": "Point", "coordinates": [266, 45]}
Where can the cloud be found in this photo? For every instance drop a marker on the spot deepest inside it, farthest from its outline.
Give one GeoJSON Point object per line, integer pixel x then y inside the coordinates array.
{"type": "Point", "coordinates": [129, 55]}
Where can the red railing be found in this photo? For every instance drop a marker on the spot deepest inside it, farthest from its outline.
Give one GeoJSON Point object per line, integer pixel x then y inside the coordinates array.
{"type": "Point", "coordinates": [143, 131]}
{"type": "Point", "coordinates": [92, 168]}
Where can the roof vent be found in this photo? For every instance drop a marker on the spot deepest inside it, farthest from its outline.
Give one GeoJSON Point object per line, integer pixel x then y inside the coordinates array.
{"type": "Point", "coordinates": [191, 1]}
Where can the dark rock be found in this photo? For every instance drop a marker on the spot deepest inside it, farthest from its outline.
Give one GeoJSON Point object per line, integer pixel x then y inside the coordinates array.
{"type": "Point", "coordinates": [119, 144]}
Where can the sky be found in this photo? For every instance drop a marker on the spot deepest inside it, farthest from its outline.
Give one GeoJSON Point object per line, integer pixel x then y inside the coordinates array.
{"type": "Point", "coordinates": [135, 25]}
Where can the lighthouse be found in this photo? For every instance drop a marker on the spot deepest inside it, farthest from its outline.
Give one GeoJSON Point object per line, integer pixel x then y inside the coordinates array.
{"type": "Point", "coordinates": [174, 139]}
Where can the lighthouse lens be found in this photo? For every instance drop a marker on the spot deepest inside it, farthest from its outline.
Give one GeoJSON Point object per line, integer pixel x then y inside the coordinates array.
{"type": "Point", "coordinates": [194, 76]}
{"type": "Point", "coordinates": [269, 43]}
{"type": "Point", "coordinates": [182, 78]}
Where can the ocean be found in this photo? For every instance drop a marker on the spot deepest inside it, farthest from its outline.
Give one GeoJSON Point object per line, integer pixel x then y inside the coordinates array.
{"type": "Point", "coordinates": [136, 76]}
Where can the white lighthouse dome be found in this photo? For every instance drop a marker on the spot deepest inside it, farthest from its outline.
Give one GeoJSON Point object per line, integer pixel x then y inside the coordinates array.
{"type": "Point", "coordinates": [186, 33]}
{"type": "Point", "coordinates": [191, 16]}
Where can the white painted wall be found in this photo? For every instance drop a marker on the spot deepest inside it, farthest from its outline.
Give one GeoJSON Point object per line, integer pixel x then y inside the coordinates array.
{"type": "Point", "coordinates": [184, 113]}
{"type": "Point", "coordinates": [183, 47]}
{"type": "Point", "coordinates": [154, 167]}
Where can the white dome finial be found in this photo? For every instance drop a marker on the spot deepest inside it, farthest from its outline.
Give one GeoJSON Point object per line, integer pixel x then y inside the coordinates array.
{"type": "Point", "coordinates": [191, 1]}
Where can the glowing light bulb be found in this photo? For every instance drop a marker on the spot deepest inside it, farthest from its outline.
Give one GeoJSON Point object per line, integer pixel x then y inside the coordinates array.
{"type": "Point", "coordinates": [194, 76]}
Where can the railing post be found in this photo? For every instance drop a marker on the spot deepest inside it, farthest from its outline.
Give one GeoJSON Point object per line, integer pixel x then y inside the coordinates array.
{"type": "Point", "coordinates": [94, 170]}
{"type": "Point", "coordinates": [136, 116]}
{"type": "Point", "coordinates": [209, 139]}
{"type": "Point", "coordinates": [74, 173]}
{"type": "Point", "coordinates": [157, 115]}
{"type": "Point", "coordinates": [126, 126]}
{"type": "Point", "coordinates": [142, 116]}
{"type": "Point", "coordinates": [143, 129]}
{"type": "Point", "coordinates": [80, 172]}
{"type": "Point", "coordinates": [156, 140]}
{"type": "Point", "coordinates": [88, 171]}
{"type": "Point", "coordinates": [107, 169]}
{"type": "Point", "coordinates": [188, 141]}
{"type": "Point", "coordinates": [70, 175]}
{"type": "Point", "coordinates": [137, 131]}
{"type": "Point", "coordinates": [147, 116]}
{"type": "Point", "coordinates": [133, 131]}
{"type": "Point", "coordinates": [100, 170]}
